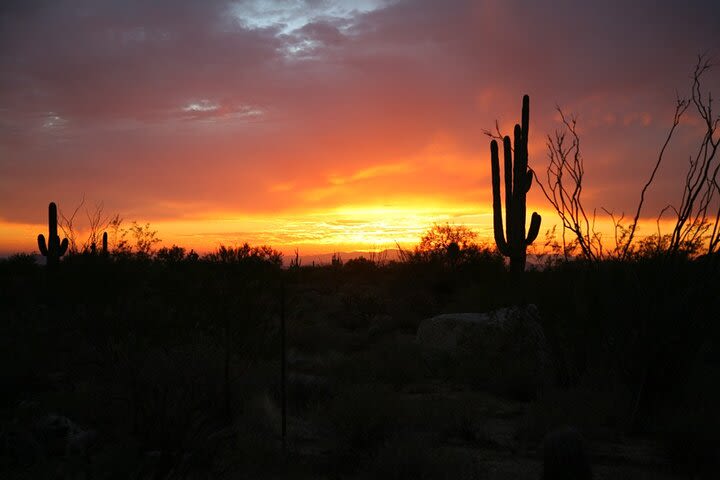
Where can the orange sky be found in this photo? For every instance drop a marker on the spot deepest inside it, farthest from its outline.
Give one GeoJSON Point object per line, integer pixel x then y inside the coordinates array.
{"type": "Point", "coordinates": [328, 125]}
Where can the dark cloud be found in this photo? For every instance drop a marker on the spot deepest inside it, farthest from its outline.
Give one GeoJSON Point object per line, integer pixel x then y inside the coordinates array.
{"type": "Point", "coordinates": [126, 59]}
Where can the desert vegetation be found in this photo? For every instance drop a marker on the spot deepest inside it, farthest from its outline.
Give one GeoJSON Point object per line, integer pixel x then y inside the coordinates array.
{"type": "Point", "coordinates": [124, 360]}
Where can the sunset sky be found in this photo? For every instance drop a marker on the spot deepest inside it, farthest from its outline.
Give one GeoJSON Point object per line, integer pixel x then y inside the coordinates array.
{"type": "Point", "coordinates": [330, 125]}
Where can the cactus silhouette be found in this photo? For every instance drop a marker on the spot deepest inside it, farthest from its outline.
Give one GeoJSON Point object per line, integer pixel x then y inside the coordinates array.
{"type": "Point", "coordinates": [103, 251]}
{"type": "Point", "coordinates": [512, 241]}
{"type": "Point", "coordinates": [54, 248]}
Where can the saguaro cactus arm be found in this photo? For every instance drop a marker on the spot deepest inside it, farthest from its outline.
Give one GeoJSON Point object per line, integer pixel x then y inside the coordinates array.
{"type": "Point", "coordinates": [63, 246]}
{"type": "Point", "coordinates": [41, 245]}
{"type": "Point", "coordinates": [497, 202]}
{"type": "Point", "coordinates": [534, 229]}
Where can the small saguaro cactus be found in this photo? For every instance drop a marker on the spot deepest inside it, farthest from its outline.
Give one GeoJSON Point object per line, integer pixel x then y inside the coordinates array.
{"type": "Point", "coordinates": [103, 250]}
{"type": "Point", "coordinates": [54, 248]}
{"type": "Point", "coordinates": [512, 241]}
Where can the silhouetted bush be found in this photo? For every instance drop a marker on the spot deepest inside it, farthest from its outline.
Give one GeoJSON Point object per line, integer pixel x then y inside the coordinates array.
{"type": "Point", "coordinates": [245, 254]}
{"type": "Point", "coordinates": [362, 417]}
{"type": "Point", "coordinates": [360, 266]}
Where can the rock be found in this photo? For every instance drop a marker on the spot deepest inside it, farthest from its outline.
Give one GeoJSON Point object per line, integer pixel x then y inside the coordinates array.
{"type": "Point", "coordinates": [80, 442]}
{"type": "Point", "coordinates": [505, 348]}
{"type": "Point", "coordinates": [47, 436]}
{"type": "Point", "coordinates": [380, 325]}
{"type": "Point", "coordinates": [61, 436]}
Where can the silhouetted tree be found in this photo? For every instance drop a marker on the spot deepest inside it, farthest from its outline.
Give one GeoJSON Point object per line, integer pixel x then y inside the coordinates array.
{"type": "Point", "coordinates": [450, 245]}
{"type": "Point", "coordinates": [442, 238]}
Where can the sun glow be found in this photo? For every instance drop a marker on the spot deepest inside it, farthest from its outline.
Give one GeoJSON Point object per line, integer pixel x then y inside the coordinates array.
{"type": "Point", "coordinates": [348, 227]}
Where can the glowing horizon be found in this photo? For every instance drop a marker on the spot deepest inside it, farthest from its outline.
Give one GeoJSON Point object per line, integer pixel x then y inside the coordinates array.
{"type": "Point", "coordinates": [361, 228]}
{"type": "Point", "coordinates": [342, 229]}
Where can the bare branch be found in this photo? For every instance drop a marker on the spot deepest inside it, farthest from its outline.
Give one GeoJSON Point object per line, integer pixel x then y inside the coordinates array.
{"type": "Point", "coordinates": [680, 107]}
{"type": "Point", "coordinates": [68, 228]}
{"type": "Point", "coordinates": [564, 186]}
{"type": "Point", "coordinates": [693, 223]}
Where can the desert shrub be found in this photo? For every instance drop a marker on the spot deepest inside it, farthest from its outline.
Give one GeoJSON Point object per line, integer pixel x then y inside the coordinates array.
{"type": "Point", "coordinates": [386, 362]}
{"type": "Point", "coordinates": [245, 254]}
{"type": "Point", "coordinates": [369, 304]}
{"type": "Point", "coordinates": [360, 306]}
{"type": "Point", "coordinates": [411, 307]}
{"type": "Point", "coordinates": [414, 456]}
{"type": "Point", "coordinates": [170, 255]}
{"type": "Point", "coordinates": [362, 417]}
{"type": "Point", "coordinates": [482, 260]}
{"type": "Point", "coordinates": [431, 407]}
{"type": "Point", "coordinates": [306, 391]}
{"type": "Point", "coordinates": [360, 267]}
{"type": "Point", "coordinates": [601, 413]}
{"type": "Point", "coordinates": [351, 320]}
{"type": "Point", "coordinates": [322, 339]}
{"type": "Point", "coordinates": [689, 432]}
{"type": "Point", "coordinates": [19, 261]}
{"type": "Point", "coordinates": [691, 444]}
{"type": "Point", "coordinates": [398, 364]}
{"type": "Point", "coordinates": [19, 277]}
{"type": "Point", "coordinates": [631, 323]}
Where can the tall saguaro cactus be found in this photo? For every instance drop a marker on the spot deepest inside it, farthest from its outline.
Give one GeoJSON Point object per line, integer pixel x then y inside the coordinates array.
{"type": "Point", "coordinates": [54, 248]}
{"type": "Point", "coordinates": [512, 241]}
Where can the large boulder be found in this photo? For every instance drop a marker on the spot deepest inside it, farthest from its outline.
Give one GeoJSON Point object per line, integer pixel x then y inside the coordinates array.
{"type": "Point", "coordinates": [48, 436]}
{"type": "Point", "coordinates": [504, 349]}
